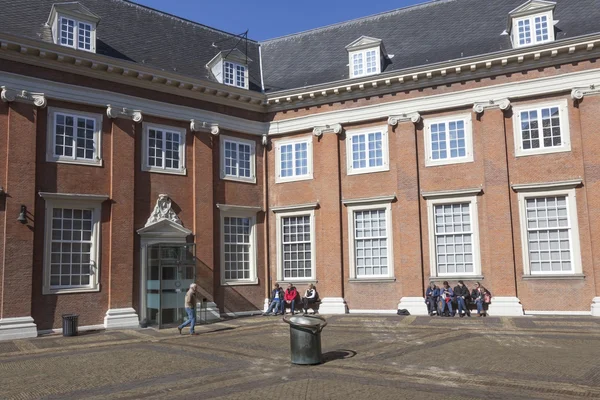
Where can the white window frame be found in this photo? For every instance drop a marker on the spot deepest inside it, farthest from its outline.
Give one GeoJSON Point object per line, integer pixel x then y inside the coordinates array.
{"type": "Point", "coordinates": [76, 23]}
{"type": "Point", "coordinates": [235, 67]}
{"type": "Point", "coordinates": [515, 29]}
{"type": "Point", "coordinates": [230, 139]}
{"type": "Point", "coordinates": [239, 212]}
{"type": "Point", "coordinates": [92, 202]}
{"type": "Point", "coordinates": [351, 134]}
{"type": "Point", "coordinates": [364, 62]}
{"type": "Point", "coordinates": [285, 214]}
{"type": "Point", "coordinates": [467, 118]}
{"type": "Point", "coordinates": [309, 161]}
{"type": "Point", "coordinates": [51, 137]}
{"type": "Point", "coordinates": [387, 206]}
{"type": "Point", "coordinates": [146, 143]}
{"type": "Point", "coordinates": [563, 109]}
{"type": "Point", "coordinates": [575, 249]}
{"type": "Point", "coordinates": [431, 203]}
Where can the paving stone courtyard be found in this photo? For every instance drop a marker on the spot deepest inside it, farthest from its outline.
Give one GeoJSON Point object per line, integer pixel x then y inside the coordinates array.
{"type": "Point", "coordinates": [378, 357]}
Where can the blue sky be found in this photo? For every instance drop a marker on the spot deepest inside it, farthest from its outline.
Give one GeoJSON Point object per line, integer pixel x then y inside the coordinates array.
{"type": "Point", "coordinates": [273, 18]}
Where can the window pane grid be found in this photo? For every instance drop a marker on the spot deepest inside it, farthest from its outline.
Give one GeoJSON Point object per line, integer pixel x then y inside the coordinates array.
{"type": "Point", "coordinates": [240, 76]}
{"type": "Point", "coordinates": [367, 150]}
{"type": "Point", "coordinates": [454, 238]}
{"type": "Point", "coordinates": [371, 62]}
{"type": "Point", "coordinates": [545, 121]}
{"type": "Point", "coordinates": [74, 137]}
{"type": "Point", "coordinates": [296, 243]}
{"type": "Point", "coordinates": [548, 235]}
{"type": "Point", "coordinates": [228, 73]}
{"type": "Point", "coordinates": [357, 64]}
{"type": "Point", "coordinates": [67, 32]}
{"type": "Point", "coordinates": [448, 140]}
{"type": "Point", "coordinates": [237, 159]}
{"type": "Point", "coordinates": [84, 32]}
{"type": "Point", "coordinates": [541, 28]}
{"type": "Point", "coordinates": [524, 31]}
{"type": "Point", "coordinates": [71, 248]}
{"type": "Point", "coordinates": [164, 149]}
{"type": "Point", "coordinates": [370, 243]}
{"type": "Point", "coordinates": [293, 160]}
{"type": "Point", "coordinates": [236, 244]}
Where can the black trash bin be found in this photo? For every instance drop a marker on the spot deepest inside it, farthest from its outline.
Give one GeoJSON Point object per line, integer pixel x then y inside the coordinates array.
{"type": "Point", "coordinates": [70, 324]}
{"type": "Point", "coordinates": [305, 338]}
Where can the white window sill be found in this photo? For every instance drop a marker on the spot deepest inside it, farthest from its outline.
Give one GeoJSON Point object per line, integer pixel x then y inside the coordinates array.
{"type": "Point", "coordinates": [238, 179]}
{"type": "Point", "coordinates": [165, 171]}
{"type": "Point", "coordinates": [294, 179]}
{"type": "Point", "coordinates": [297, 280]}
{"type": "Point", "coordinates": [450, 161]}
{"type": "Point", "coordinates": [554, 276]}
{"type": "Point", "coordinates": [373, 280]}
{"type": "Point", "coordinates": [550, 150]}
{"type": "Point", "coordinates": [359, 171]}
{"type": "Point", "coordinates": [520, 46]}
{"type": "Point", "coordinates": [91, 163]}
{"type": "Point", "coordinates": [457, 277]}
{"type": "Point", "coordinates": [49, 291]}
{"type": "Point", "coordinates": [240, 283]}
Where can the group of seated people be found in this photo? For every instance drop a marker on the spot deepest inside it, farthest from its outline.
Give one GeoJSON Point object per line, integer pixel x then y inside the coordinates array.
{"type": "Point", "coordinates": [445, 301]}
{"type": "Point", "coordinates": [280, 299]}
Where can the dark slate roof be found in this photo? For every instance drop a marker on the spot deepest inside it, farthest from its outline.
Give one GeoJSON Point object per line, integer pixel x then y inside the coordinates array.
{"type": "Point", "coordinates": [424, 34]}
{"type": "Point", "coordinates": [136, 33]}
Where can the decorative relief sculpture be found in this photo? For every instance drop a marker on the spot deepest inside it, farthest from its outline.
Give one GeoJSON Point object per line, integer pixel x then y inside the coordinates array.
{"type": "Point", "coordinates": [414, 117]}
{"type": "Point", "coordinates": [163, 211]}
{"type": "Point", "coordinates": [23, 96]}
{"type": "Point", "coordinates": [580, 92]}
{"type": "Point", "coordinates": [203, 126]}
{"type": "Point", "coordinates": [502, 104]}
{"type": "Point", "coordinates": [122, 112]}
{"type": "Point", "coordinates": [333, 128]}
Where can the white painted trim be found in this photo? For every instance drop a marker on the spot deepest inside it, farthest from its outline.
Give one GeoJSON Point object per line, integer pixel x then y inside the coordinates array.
{"type": "Point", "coordinates": [243, 313]}
{"type": "Point", "coordinates": [451, 193]}
{"type": "Point", "coordinates": [531, 15]}
{"type": "Point", "coordinates": [563, 110]}
{"type": "Point", "coordinates": [474, 205]}
{"type": "Point", "coordinates": [444, 101]}
{"type": "Point", "coordinates": [595, 309]}
{"type": "Point", "coordinates": [387, 206]}
{"type": "Point", "coordinates": [245, 210]}
{"type": "Point", "coordinates": [121, 318]}
{"type": "Point", "coordinates": [295, 207]}
{"type": "Point", "coordinates": [237, 141]}
{"type": "Point", "coordinates": [51, 137]}
{"type": "Point", "coordinates": [146, 143]}
{"type": "Point", "coordinates": [351, 134]}
{"type": "Point", "coordinates": [468, 128]}
{"type": "Point", "coordinates": [532, 312]}
{"type": "Point", "coordinates": [279, 243]}
{"type": "Point", "coordinates": [84, 328]}
{"type": "Point", "coordinates": [309, 159]}
{"type": "Point", "coordinates": [77, 201]}
{"type": "Point", "coordinates": [17, 328]}
{"type": "Point", "coordinates": [100, 98]}
{"type": "Point", "coordinates": [236, 213]}
{"type": "Point", "coordinates": [360, 311]}
{"type": "Point", "coordinates": [575, 249]}
{"type": "Point", "coordinates": [363, 51]}
{"type": "Point", "coordinates": [369, 200]}
{"type": "Point", "coordinates": [569, 184]}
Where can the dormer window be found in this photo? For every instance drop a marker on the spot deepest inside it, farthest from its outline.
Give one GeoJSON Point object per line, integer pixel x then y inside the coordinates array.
{"type": "Point", "coordinates": [366, 56]}
{"type": "Point", "coordinates": [73, 25]}
{"type": "Point", "coordinates": [231, 68]}
{"type": "Point", "coordinates": [532, 23]}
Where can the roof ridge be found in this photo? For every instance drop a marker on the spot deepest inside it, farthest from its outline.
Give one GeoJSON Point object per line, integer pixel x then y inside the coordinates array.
{"type": "Point", "coordinates": [189, 21]}
{"type": "Point", "coordinates": [426, 3]}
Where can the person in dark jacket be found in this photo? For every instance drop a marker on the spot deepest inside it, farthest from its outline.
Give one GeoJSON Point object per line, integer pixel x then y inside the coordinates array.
{"type": "Point", "coordinates": [461, 293]}
{"type": "Point", "coordinates": [276, 304]}
{"type": "Point", "coordinates": [480, 295]}
{"type": "Point", "coordinates": [431, 298]}
{"type": "Point", "coordinates": [445, 300]}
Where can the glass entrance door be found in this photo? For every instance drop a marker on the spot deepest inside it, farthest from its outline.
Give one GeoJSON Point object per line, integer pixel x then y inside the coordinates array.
{"type": "Point", "coordinates": [171, 270]}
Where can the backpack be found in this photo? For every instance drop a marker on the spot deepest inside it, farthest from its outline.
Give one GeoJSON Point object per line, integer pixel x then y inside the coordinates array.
{"type": "Point", "coordinates": [316, 295]}
{"type": "Point", "coordinates": [403, 312]}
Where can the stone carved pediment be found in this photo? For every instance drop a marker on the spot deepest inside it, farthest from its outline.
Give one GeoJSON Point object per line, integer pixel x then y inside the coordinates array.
{"type": "Point", "coordinates": [163, 211]}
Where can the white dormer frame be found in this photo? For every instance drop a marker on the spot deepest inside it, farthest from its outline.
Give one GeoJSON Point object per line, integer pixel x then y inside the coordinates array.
{"type": "Point", "coordinates": [78, 16]}
{"type": "Point", "coordinates": [360, 48]}
{"type": "Point", "coordinates": [527, 13]}
{"type": "Point", "coordinates": [236, 59]}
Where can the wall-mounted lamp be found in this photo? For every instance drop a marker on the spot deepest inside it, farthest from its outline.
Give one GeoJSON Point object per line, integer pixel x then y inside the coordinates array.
{"type": "Point", "coordinates": [23, 215]}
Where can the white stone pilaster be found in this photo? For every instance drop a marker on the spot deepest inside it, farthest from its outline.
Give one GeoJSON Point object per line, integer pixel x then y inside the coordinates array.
{"type": "Point", "coordinates": [505, 307]}
{"type": "Point", "coordinates": [17, 328]}
{"type": "Point", "coordinates": [121, 318]}
{"type": "Point", "coordinates": [414, 305]}
{"type": "Point", "coordinates": [596, 307]}
{"type": "Point", "coordinates": [207, 312]}
{"type": "Point", "coordinates": [333, 305]}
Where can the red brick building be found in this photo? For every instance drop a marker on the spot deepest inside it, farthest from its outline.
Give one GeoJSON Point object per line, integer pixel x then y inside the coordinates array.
{"type": "Point", "coordinates": [141, 152]}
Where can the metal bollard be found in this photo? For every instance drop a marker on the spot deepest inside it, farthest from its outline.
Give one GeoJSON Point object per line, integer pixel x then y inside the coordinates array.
{"type": "Point", "coordinates": [305, 339]}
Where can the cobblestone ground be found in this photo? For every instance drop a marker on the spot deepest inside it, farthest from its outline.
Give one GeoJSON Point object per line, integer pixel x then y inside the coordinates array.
{"type": "Point", "coordinates": [365, 357]}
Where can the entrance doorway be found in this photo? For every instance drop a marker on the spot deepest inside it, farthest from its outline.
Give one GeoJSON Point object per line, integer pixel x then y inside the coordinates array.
{"type": "Point", "coordinates": [170, 269]}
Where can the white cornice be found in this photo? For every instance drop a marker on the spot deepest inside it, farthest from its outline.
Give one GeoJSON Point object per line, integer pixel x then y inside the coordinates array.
{"type": "Point", "coordinates": [547, 185]}
{"type": "Point", "coordinates": [580, 92]}
{"type": "Point", "coordinates": [503, 104]}
{"type": "Point", "coordinates": [413, 117]}
{"type": "Point", "coordinates": [8, 95]}
{"type": "Point", "coordinates": [333, 128]}
{"type": "Point", "coordinates": [74, 197]}
{"type": "Point", "coordinates": [451, 193]}
{"type": "Point", "coordinates": [295, 207]}
{"type": "Point", "coordinates": [122, 112]}
{"type": "Point", "coordinates": [369, 200]}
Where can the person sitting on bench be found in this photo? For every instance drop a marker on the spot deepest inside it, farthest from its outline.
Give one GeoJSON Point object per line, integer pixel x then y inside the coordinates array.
{"type": "Point", "coordinates": [445, 301]}
{"type": "Point", "coordinates": [276, 305]}
{"type": "Point", "coordinates": [289, 298]}
{"type": "Point", "coordinates": [431, 298]}
{"type": "Point", "coordinates": [310, 297]}
{"type": "Point", "coordinates": [461, 292]}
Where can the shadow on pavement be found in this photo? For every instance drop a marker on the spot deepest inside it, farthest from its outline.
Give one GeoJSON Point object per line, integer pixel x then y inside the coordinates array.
{"type": "Point", "coordinates": [338, 355]}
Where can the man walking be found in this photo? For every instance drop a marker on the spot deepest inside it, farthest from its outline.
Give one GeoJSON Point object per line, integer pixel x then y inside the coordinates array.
{"type": "Point", "coordinates": [191, 298]}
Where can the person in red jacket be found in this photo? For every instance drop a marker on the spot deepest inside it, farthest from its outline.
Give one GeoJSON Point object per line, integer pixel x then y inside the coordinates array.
{"type": "Point", "coordinates": [289, 299]}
